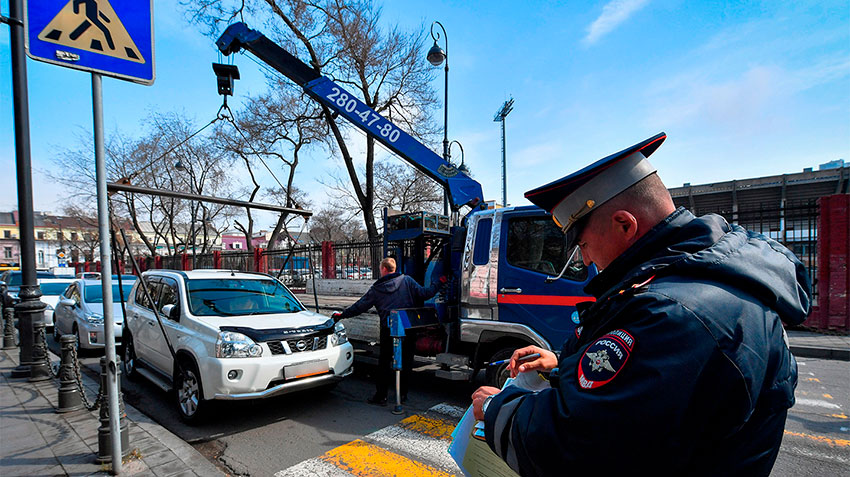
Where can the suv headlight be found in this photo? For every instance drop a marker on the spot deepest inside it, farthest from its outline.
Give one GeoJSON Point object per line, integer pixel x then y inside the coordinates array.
{"type": "Point", "coordinates": [339, 337]}
{"type": "Point", "coordinates": [236, 345]}
{"type": "Point", "coordinates": [94, 319]}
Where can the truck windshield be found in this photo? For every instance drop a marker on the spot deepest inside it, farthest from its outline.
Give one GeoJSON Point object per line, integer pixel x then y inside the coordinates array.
{"type": "Point", "coordinates": [239, 297]}
{"type": "Point", "coordinates": [94, 293]}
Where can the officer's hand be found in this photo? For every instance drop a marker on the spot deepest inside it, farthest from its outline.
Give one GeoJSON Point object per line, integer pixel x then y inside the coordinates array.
{"type": "Point", "coordinates": [478, 398]}
{"type": "Point", "coordinates": [546, 362]}
{"type": "Point", "coordinates": [336, 316]}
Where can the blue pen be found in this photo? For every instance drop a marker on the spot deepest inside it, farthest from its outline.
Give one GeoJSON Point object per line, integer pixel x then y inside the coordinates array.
{"type": "Point", "coordinates": [523, 358]}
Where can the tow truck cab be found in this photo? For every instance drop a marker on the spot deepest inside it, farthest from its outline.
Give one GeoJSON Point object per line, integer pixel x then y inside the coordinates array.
{"type": "Point", "coordinates": [505, 290]}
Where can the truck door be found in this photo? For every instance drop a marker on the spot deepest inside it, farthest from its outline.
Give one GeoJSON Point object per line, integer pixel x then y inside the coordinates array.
{"type": "Point", "coordinates": [533, 248]}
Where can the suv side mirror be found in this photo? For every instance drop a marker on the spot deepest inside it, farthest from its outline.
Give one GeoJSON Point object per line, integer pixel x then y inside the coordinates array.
{"type": "Point", "coordinates": [172, 312]}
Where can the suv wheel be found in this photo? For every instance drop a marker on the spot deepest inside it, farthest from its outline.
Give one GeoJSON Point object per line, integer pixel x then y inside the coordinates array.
{"type": "Point", "coordinates": [130, 370]}
{"type": "Point", "coordinates": [187, 384]}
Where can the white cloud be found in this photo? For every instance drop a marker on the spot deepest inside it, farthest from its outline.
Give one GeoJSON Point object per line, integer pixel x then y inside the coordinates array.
{"type": "Point", "coordinates": [613, 14]}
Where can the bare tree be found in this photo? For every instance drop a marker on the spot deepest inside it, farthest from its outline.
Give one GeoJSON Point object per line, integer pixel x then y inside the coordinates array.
{"type": "Point", "coordinates": [344, 40]}
{"type": "Point", "coordinates": [330, 224]}
{"type": "Point", "coordinates": [150, 161]}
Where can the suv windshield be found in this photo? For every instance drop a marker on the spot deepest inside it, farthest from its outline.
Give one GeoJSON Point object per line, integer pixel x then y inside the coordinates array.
{"type": "Point", "coordinates": [94, 293]}
{"type": "Point", "coordinates": [239, 297]}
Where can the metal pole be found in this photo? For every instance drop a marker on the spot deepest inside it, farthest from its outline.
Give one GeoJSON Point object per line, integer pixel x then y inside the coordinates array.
{"type": "Point", "coordinates": [106, 273]}
{"type": "Point", "coordinates": [30, 308]}
{"type": "Point", "coordinates": [504, 169]}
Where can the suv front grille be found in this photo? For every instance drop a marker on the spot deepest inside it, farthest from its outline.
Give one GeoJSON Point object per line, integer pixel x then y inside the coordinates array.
{"type": "Point", "coordinates": [306, 344]}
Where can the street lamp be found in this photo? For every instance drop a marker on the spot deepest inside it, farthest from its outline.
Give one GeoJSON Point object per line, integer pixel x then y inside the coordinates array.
{"type": "Point", "coordinates": [436, 56]}
{"type": "Point", "coordinates": [462, 167]}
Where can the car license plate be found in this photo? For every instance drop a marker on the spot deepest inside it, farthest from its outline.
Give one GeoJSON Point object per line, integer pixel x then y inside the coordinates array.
{"type": "Point", "coordinates": [303, 370]}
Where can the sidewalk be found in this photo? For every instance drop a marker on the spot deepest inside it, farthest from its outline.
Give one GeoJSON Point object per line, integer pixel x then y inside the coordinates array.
{"type": "Point", "coordinates": [804, 344]}
{"type": "Point", "coordinates": [36, 440]}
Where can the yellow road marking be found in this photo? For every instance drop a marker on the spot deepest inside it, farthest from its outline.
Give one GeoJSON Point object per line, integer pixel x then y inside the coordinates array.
{"type": "Point", "coordinates": [814, 380]}
{"type": "Point", "coordinates": [839, 416]}
{"type": "Point", "coordinates": [363, 459]}
{"type": "Point", "coordinates": [436, 428]}
{"type": "Point", "coordinates": [825, 440]}
{"type": "Point", "coordinates": [828, 396]}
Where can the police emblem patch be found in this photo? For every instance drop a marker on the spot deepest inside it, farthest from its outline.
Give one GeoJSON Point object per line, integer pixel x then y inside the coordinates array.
{"type": "Point", "coordinates": [604, 359]}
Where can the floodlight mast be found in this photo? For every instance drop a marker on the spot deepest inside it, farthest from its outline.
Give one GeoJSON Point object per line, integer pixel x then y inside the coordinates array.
{"type": "Point", "coordinates": [500, 116]}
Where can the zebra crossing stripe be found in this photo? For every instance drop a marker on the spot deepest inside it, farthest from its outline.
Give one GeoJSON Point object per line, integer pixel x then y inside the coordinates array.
{"type": "Point", "coordinates": [362, 459]}
{"type": "Point", "coordinates": [416, 446]}
{"type": "Point", "coordinates": [423, 438]}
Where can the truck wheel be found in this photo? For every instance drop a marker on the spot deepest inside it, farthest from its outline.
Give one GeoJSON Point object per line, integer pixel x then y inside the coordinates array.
{"type": "Point", "coordinates": [130, 362]}
{"type": "Point", "coordinates": [497, 375]}
{"type": "Point", "coordinates": [187, 384]}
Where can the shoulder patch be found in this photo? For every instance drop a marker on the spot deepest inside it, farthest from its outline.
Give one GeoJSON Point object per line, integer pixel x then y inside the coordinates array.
{"type": "Point", "coordinates": [603, 360]}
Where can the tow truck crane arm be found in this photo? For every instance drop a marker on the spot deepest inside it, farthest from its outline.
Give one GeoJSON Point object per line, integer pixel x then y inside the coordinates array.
{"type": "Point", "coordinates": [462, 189]}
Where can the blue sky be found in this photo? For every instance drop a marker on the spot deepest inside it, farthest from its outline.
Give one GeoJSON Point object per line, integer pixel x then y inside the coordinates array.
{"type": "Point", "coordinates": [742, 89]}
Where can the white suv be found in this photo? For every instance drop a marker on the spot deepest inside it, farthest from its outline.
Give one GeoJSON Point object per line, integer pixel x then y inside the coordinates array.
{"type": "Point", "coordinates": [231, 335]}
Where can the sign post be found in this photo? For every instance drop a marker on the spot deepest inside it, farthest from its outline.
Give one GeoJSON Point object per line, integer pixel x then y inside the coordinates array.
{"type": "Point", "coordinates": [105, 38]}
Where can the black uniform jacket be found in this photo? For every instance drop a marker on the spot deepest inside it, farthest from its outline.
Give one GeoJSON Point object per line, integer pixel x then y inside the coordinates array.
{"type": "Point", "coordinates": [680, 367]}
{"type": "Point", "coordinates": [391, 292]}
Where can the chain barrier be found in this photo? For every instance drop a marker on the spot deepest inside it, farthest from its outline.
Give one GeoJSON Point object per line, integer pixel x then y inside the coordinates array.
{"type": "Point", "coordinates": [54, 371]}
{"type": "Point", "coordinates": [91, 406]}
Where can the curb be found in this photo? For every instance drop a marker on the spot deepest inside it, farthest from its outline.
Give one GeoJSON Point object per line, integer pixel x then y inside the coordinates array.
{"type": "Point", "coordinates": [822, 353]}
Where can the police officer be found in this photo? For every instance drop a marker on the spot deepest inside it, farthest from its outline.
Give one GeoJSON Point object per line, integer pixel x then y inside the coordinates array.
{"type": "Point", "coordinates": [681, 364]}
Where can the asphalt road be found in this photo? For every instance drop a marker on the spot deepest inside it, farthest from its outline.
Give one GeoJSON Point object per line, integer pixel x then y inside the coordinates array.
{"type": "Point", "coordinates": [263, 437]}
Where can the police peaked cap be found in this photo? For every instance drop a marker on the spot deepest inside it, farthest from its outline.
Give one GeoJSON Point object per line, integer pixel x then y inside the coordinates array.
{"type": "Point", "coordinates": [572, 197]}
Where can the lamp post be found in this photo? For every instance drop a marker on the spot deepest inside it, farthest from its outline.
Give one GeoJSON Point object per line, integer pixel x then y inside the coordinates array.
{"type": "Point", "coordinates": [30, 310]}
{"type": "Point", "coordinates": [436, 56]}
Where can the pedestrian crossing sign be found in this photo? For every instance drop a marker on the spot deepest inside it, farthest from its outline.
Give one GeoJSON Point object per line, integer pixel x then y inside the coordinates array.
{"type": "Point", "coordinates": [111, 37]}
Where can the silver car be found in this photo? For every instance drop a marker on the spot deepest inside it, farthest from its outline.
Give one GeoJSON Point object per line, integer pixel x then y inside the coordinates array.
{"type": "Point", "coordinates": [80, 311]}
{"type": "Point", "coordinates": [52, 290]}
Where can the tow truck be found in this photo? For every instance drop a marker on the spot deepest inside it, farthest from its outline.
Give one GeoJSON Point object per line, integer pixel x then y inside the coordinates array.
{"type": "Point", "coordinates": [512, 282]}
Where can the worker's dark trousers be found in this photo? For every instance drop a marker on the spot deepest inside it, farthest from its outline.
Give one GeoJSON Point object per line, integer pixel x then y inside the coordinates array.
{"type": "Point", "coordinates": [385, 375]}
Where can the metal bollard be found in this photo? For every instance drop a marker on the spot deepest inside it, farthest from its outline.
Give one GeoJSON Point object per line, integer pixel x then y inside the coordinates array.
{"type": "Point", "coordinates": [8, 328]}
{"type": "Point", "coordinates": [69, 393]}
{"type": "Point", "coordinates": [397, 367]}
{"type": "Point", "coordinates": [39, 368]}
{"type": "Point", "coordinates": [104, 438]}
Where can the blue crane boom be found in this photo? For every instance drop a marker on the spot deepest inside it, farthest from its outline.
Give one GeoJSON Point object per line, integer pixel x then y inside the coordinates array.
{"type": "Point", "coordinates": [462, 189]}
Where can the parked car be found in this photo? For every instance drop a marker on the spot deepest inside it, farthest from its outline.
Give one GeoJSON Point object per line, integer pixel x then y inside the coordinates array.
{"type": "Point", "coordinates": [13, 281]}
{"type": "Point", "coordinates": [231, 336]}
{"type": "Point", "coordinates": [80, 311]}
{"type": "Point", "coordinates": [52, 290]}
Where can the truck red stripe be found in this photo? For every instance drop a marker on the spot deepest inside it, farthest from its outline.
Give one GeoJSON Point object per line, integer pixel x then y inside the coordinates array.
{"type": "Point", "coordinates": [553, 300]}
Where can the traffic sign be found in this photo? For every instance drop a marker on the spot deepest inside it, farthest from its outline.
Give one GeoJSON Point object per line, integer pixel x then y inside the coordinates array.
{"type": "Point", "coordinates": [111, 38]}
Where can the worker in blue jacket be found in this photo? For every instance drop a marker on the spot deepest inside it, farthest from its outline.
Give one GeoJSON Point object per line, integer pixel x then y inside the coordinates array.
{"type": "Point", "coordinates": [681, 364]}
{"type": "Point", "coordinates": [393, 291]}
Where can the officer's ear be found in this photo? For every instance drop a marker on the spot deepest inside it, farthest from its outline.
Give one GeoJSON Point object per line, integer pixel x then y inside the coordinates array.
{"type": "Point", "coordinates": [625, 225]}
